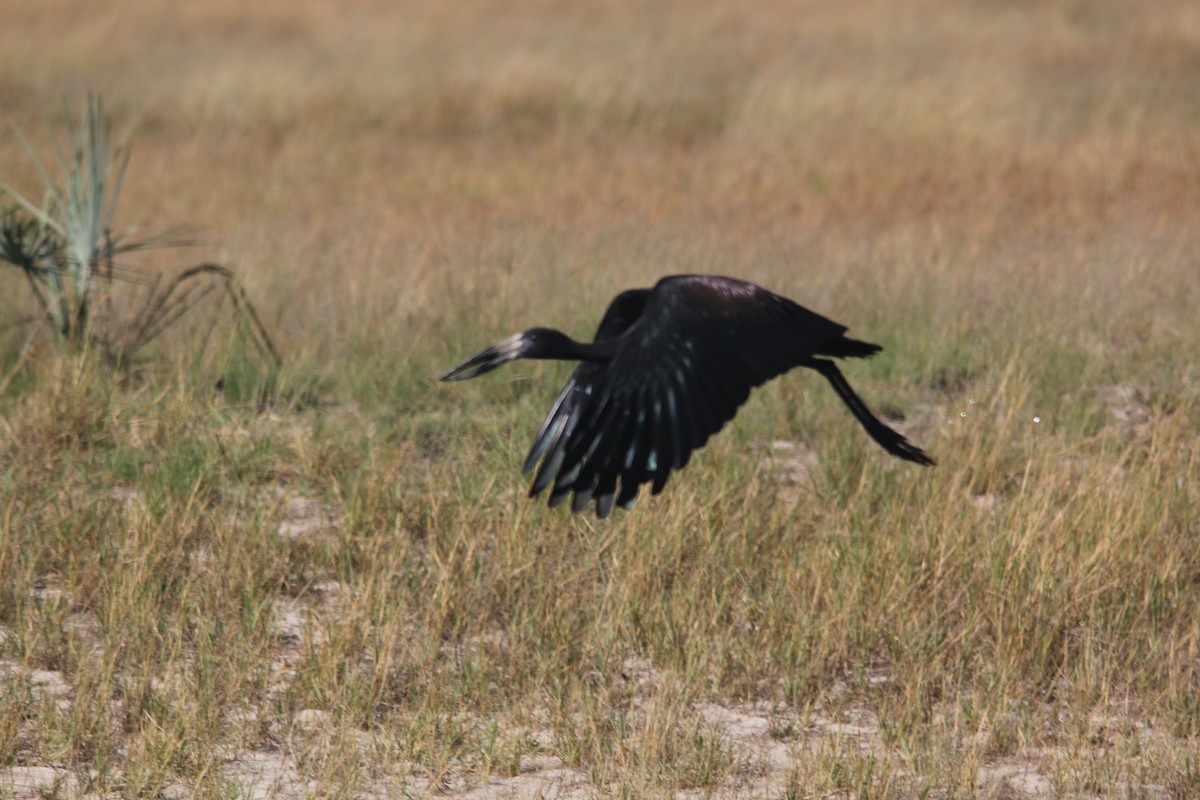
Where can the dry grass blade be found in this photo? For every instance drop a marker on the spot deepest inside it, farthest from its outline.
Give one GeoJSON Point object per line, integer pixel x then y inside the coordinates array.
{"type": "Point", "coordinates": [165, 305]}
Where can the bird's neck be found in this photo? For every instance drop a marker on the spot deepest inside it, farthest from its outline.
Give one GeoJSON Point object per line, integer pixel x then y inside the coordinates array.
{"type": "Point", "coordinates": [597, 352]}
{"type": "Point", "coordinates": [552, 344]}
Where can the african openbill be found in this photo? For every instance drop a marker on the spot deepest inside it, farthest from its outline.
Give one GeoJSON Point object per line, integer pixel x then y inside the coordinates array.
{"type": "Point", "coordinates": [668, 367]}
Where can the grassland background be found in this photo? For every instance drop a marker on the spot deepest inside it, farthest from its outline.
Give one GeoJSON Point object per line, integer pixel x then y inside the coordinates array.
{"type": "Point", "coordinates": [346, 594]}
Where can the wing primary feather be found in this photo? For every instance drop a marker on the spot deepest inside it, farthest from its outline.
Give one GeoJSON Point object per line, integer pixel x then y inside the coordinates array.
{"type": "Point", "coordinates": [585, 450]}
{"type": "Point", "coordinates": [678, 443]}
{"type": "Point", "coordinates": [566, 478]}
{"type": "Point", "coordinates": [716, 409]}
{"type": "Point", "coordinates": [556, 465]}
{"type": "Point", "coordinates": [554, 418]}
{"type": "Point", "coordinates": [551, 464]}
{"type": "Point", "coordinates": [580, 499]}
{"type": "Point", "coordinates": [660, 447]}
{"type": "Point", "coordinates": [663, 446]}
{"type": "Point", "coordinates": [604, 504]}
{"type": "Point", "coordinates": [589, 447]}
{"type": "Point", "coordinates": [639, 441]}
{"type": "Point", "coordinates": [625, 431]}
{"type": "Point", "coordinates": [639, 449]}
{"type": "Point", "coordinates": [644, 434]}
{"type": "Point", "coordinates": [629, 492]}
{"type": "Point", "coordinates": [694, 411]}
{"type": "Point", "coordinates": [604, 445]}
{"type": "Point", "coordinates": [566, 475]}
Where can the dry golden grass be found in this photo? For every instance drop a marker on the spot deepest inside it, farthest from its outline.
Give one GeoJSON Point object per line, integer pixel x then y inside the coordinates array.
{"type": "Point", "coordinates": [347, 595]}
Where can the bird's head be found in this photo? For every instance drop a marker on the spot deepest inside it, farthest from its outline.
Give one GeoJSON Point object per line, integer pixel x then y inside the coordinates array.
{"type": "Point", "coordinates": [533, 343]}
{"type": "Point", "coordinates": [544, 343]}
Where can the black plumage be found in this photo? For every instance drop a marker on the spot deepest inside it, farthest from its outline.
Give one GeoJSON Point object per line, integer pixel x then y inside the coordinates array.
{"type": "Point", "coordinates": [669, 366]}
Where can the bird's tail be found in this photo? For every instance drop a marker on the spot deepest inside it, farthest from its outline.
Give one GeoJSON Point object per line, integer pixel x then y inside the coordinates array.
{"type": "Point", "coordinates": [843, 347]}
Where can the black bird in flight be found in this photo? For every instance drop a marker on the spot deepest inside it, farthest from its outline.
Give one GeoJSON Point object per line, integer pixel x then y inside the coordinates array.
{"type": "Point", "coordinates": [668, 367]}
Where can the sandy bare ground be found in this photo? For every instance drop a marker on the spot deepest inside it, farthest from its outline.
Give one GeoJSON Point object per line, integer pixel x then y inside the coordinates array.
{"type": "Point", "coordinates": [767, 740]}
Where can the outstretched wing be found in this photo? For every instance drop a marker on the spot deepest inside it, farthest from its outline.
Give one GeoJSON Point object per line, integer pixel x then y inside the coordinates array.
{"type": "Point", "coordinates": [691, 350]}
